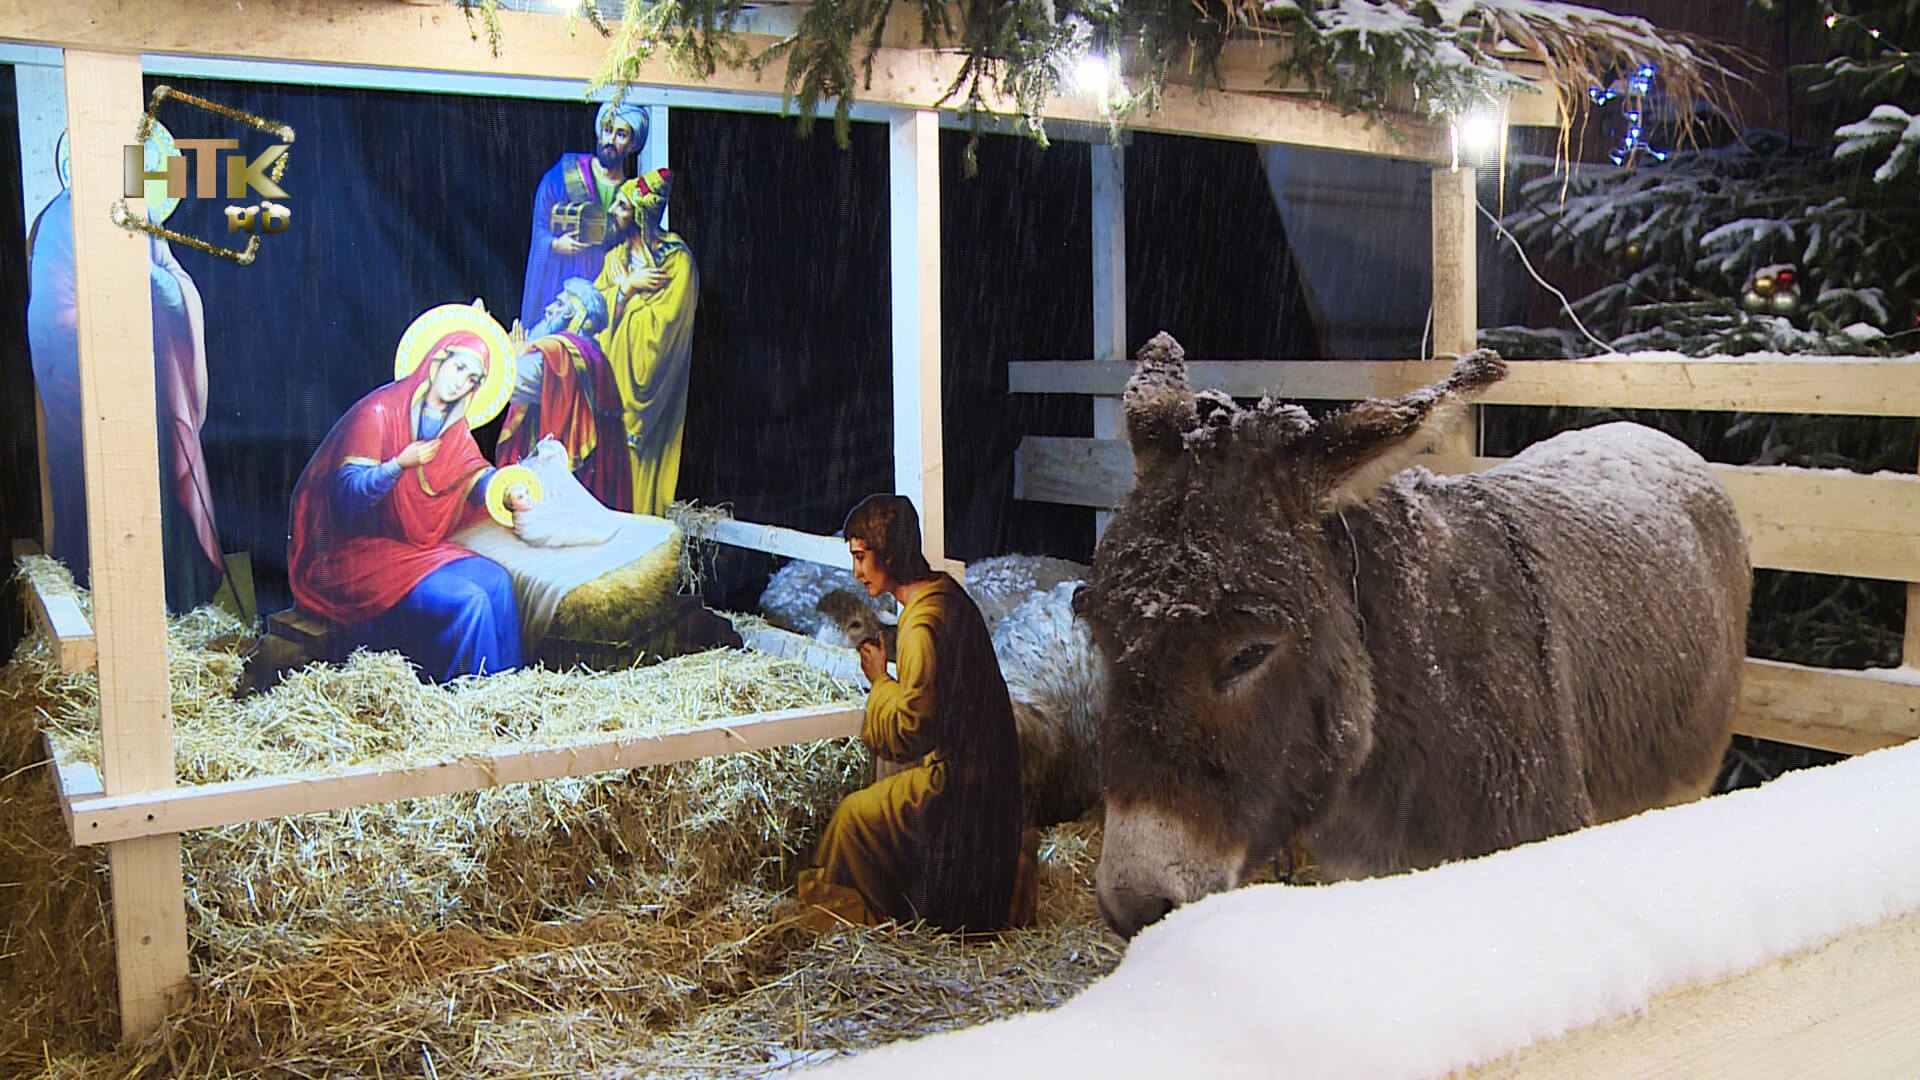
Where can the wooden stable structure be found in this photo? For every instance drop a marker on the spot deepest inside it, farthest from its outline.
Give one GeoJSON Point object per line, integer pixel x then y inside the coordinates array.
{"type": "Point", "coordinates": [101, 49]}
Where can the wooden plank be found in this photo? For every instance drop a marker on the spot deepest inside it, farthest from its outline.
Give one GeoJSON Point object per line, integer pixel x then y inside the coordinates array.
{"type": "Point", "coordinates": [1850, 712]}
{"type": "Point", "coordinates": [61, 617]}
{"type": "Point", "coordinates": [73, 781]}
{"type": "Point", "coordinates": [919, 458]}
{"type": "Point", "coordinates": [74, 647]}
{"type": "Point", "coordinates": [775, 540]}
{"type": "Point", "coordinates": [1820, 521]}
{"type": "Point", "coordinates": [1845, 1007]}
{"type": "Point", "coordinates": [105, 99]}
{"type": "Point", "coordinates": [1789, 384]}
{"type": "Point", "coordinates": [117, 818]}
{"type": "Point", "coordinates": [842, 664]}
{"type": "Point", "coordinates": [1109, 191]}
{"type": "Point", "coordinates": [383, 34]}
{"type": "Point", "coordinates": [1456, 285]}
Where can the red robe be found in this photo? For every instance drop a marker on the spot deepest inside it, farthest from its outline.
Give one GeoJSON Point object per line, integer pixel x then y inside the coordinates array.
{"type": "Point", "coordinates": [354, 569]}
{"type": "Point", "coordinates": [580, 406]}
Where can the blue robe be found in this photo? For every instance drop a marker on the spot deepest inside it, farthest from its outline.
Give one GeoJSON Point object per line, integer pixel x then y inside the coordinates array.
{"type": "Point", "coordinates": [462, 619]}
{"type": "Point", "coordinates": [545, 270]}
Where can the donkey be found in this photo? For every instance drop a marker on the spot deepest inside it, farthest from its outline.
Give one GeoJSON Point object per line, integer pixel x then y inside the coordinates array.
{"type": "Point", "coordinates": [1309, 643]}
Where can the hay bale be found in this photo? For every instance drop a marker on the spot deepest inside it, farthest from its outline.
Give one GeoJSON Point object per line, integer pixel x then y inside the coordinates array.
{"type": "Point", "coordinates": [621, 924]}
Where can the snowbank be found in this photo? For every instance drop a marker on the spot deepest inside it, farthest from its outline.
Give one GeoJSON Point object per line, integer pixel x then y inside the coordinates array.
{"type": "Point", "coordinates": [1418, 975]}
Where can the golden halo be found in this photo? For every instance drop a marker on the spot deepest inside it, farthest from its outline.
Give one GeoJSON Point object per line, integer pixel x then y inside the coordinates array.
{"type": "Point", "coordinates": [503, 478]}
{"type": "Point", "coordinates": [490, 397]}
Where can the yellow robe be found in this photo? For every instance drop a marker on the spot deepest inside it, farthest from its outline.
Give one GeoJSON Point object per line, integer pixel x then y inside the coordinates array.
{"type": "Point", "coordinates": [941, 840]}
{"type": "Point", "coordinates": [649, 347]}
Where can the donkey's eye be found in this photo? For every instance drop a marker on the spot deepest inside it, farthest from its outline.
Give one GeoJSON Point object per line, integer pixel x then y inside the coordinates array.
{"type": "Point", "coordinates": [1242, 662]}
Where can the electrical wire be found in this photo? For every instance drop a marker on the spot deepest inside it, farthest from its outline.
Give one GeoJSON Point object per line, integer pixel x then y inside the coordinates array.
{"type": "Point", "coordinates": [1565, 304]}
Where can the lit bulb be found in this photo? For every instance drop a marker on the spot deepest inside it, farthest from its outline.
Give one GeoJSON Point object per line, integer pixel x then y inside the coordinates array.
{"type": "Point", "coordinates": [1832, 18]}
{"type": "Point", "coordinates": [1092, 74]}
{"type": "Point", "coordinates": [1479, 133]}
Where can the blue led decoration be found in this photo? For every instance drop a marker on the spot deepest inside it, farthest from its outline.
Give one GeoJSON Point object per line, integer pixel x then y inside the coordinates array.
{"type": "Point", "coordinates": [1639, 85]}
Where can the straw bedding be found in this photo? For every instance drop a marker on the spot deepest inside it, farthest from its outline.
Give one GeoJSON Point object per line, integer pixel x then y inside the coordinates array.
{"type": "Point", "coordinates": [629, 924]}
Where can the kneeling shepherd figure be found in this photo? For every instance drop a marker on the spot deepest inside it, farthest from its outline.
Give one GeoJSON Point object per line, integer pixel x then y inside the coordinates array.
{"type": "Point", "coordinates": [942, 840]}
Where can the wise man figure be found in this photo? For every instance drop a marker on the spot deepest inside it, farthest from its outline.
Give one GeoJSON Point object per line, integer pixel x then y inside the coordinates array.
{"type": "Point", "coordinates": [571, 230]}
{"type": "Point", "coordinates": [942, 839]}
{"type": "Point", "coordinates": [564, 389]}
{"type": "Point", "coordinates": [652, 287]}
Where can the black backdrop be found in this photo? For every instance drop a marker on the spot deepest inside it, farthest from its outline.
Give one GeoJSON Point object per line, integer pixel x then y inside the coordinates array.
{"type": "Point", "coordinates": [403, 201]}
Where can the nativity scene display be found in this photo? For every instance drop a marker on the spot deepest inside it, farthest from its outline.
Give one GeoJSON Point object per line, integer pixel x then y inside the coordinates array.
{"type": "Point", "coordinates": [404, 537]}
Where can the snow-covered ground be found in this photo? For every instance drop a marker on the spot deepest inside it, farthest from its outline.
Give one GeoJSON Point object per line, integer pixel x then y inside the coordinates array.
{"type": "Point", "coordinates": [1418, 975]}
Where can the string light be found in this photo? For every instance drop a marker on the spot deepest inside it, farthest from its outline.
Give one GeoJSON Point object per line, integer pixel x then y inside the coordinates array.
{"type": "Point", "coordinates": [1835, 18]}
{"type": "Point", "coordinates": [1639, 85]}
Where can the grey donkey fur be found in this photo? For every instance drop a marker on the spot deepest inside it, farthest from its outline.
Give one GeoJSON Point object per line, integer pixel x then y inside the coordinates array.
{"type": "Point", "coordinates": [1307, 641]}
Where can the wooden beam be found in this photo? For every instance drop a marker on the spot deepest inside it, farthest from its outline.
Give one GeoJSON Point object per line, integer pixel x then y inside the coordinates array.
{"type": "Point", "coordinates": [1819, 521]}
{"type": "Point", "coordinates": [919, 457]}
{"type": "Point", "coordinates": [118, 818]}
{"type": "Point", "coordinates": [1245, 65]}
{"type": "Point", "coordinates": [1109, 193]}
{"type": "Point", "coordinates": [1850, 712]}
{"type": "Point", "coordinates": [1789, 384]}
{"type": "Point", "coordinates": [73, 781]}
{"type": "Point", "coordinates": [385, 34]}
{"type": "Point", "coordinates": [66, 625]}
{"type": "Point", "coordinates": [1845, 1007]}
{"type": "Point", "coordinates": [105, 99]}
{"type": "Point", "coordinates": [1456, 285]}
{"type": "Point", "coordinates": [775, 540]}
{"type": "Point", "coordinates": [842, 664]}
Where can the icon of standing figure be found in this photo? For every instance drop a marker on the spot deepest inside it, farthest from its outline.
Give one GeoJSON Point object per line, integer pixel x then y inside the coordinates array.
{"type": "Point", "coordinates": [607, 372]}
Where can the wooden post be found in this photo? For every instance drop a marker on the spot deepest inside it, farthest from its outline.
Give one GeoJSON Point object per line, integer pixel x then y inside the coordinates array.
{"type": "Point", "coordinates": [919, 461]}
{"type": "Point", "coordinates": [1455, 277]}
{"type": "Point", "coordinates": [1109, 286]}
{"type": "Point", "coordinates": [115, 325]}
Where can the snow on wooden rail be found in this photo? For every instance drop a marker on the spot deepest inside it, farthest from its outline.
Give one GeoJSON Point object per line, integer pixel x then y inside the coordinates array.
{"type": "Point", "coordinates": [98, 818]}
{"type": "Point", "coordinates": [1768, 932]}
{"type": "Point", "coordinates": [1756, 382]}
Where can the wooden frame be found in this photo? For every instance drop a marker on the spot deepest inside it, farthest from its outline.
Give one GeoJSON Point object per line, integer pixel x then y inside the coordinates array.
{"type": "Point", "coordinates": [132, 802]}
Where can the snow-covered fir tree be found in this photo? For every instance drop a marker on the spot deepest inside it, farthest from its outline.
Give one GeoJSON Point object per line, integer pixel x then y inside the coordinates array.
{"type": "Point", "coordinates": [1754, 242]}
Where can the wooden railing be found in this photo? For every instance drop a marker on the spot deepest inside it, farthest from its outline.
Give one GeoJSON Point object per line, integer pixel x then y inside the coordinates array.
{"type": "Point", "coordinates": [1824, 521]}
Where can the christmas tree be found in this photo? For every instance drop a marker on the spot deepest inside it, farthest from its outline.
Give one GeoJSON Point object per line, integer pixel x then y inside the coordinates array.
{"type": "Point", "coordinates": [1805, 241]}
{"type": "Point", "coordinates": [1758, 241]}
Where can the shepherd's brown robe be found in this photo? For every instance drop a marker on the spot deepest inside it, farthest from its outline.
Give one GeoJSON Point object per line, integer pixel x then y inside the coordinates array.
{"type": "Point", "coordinates": [941, 840]}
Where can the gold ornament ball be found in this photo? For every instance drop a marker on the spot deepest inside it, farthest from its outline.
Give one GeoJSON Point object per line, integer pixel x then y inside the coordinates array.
{"type": "Point", "coordinates": [1763, 286]}
{"type": "Point", "coordinates": [1634, 252]}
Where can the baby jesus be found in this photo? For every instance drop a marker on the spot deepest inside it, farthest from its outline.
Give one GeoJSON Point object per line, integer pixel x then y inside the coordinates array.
{"type": "Point", "coordinates": [561, 538]}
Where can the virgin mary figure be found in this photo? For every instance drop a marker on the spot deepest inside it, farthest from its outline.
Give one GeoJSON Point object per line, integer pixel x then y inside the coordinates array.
{"type": "Point", "coordinates": [397, 476]}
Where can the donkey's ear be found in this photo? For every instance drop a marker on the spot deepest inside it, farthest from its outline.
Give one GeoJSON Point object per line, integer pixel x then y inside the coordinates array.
{"type": "Point", "coordinates": [1159, 404]}
{"type": "Point", "coordinates": [1357, 449]}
